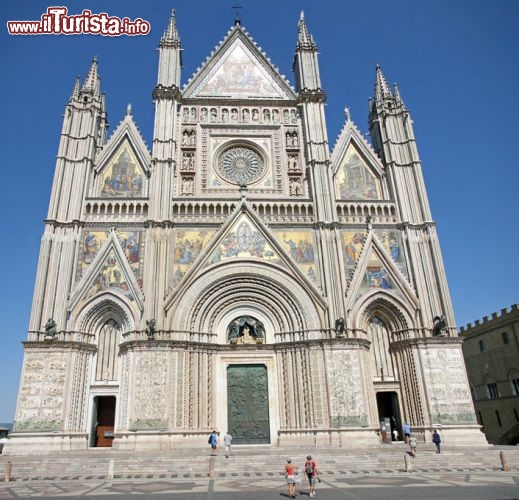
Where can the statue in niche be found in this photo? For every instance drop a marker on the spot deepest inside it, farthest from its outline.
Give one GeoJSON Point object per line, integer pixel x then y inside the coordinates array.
{"type": "Point", "coordinates": [255, 115]}
{"type": "Point", "coordinates": [246, 330]}
{"type": "Point", "coordinates": [439, 325]}
{"type": "Point", "coordinates": [50, 330]}
{"type": "Point", "coordinates": [225, 115]}
{"type": "Point", "coordinates": [185, 115]}
{"type": "Point", "coordinates": [292, 163]}
{"type": "Point", "coordinates": [275, 116]}
{"type": "Point", "coordinates": [245, 115]}
{"type": "Point", "coordinates": [295, 187]}
{"type": "Point", "coordinates": [234, 114]}
{"type": "Point", "coordinates": [203, 114]}
{"type": "Point", "coordinates": [214, 114]}
{"type": "Point", "coordinates": [185, 138]}
{"type": "Point", "coordinates": [187, 186]}
{"type": "Point", "coordinates": [150, 329]}
{"type": "Point", "coordinates": [193, 115]}
{"type": "Point", "coordinates": [266, 116]}
{"type": "Point", "coordinates": [339, 327]}
{"type": "Point", "coordinates": [192, 138]}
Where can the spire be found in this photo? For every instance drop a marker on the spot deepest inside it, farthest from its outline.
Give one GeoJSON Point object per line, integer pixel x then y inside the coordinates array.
{"type": "Point", "coordinates": [398, 97]}
{"type": "Point", "coordinates": [382, 89]}
{"type": "Point", "coordinates": [304, 39]}
{"type": "Point", "coordinates": [76, 89]}
{"type": "Point", "coordinates": [170, 36]}
{"type": "Point", "coordinates": [92, 81]}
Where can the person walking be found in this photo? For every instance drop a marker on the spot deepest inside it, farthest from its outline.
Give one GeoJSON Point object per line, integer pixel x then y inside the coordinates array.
{"type": "Point", "coordinates": [227, 440]}
{"type": "Point", "coordinates": [213, 441]}
{"type": "Point", "coordinates": [311, 473]}
{"type": "Point", "coordinates": [437, 440]}
{"type": "Point", "coordinates": [412, 445]}
{"type": "Point", "coordinates": [406, 428]}
{"type": "Point", "coordinates": [290, 474]}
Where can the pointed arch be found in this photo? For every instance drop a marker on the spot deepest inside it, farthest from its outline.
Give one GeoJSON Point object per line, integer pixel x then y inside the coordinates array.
{"type": "Point", "coordinates": [103, 308]}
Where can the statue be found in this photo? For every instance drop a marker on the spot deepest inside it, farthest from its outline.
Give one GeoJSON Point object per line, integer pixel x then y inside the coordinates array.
{"type": "Point", "coordinates": [339, 327]}
{"type": "Point", "coordinates": [439, 325]}
{"type": "Point", "coordinates": [50, 330]}
{"type": "Point", "coordinates": [150, 329]}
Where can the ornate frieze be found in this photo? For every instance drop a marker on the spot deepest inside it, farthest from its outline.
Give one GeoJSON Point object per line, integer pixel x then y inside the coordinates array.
{"type": "Point", "coordinates": [345, 385]}
{"type": "Point", "coordinates": [150, 390]}
{"type": "Point", "coordinates": [446, 383]}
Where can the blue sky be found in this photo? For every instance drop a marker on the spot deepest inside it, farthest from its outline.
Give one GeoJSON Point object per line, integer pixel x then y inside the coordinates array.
{"type": "Point", "coordinates": [455, 61]}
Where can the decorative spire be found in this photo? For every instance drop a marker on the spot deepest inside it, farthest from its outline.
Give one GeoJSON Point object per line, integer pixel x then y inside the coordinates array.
{"type": "Point", "coordinates": [129, 109]}
{"type": "Point", "coordinates": [92, 80]}
{"type": "Point", "coordinates": [398, 97]}
{"type": "Point", "coordinates": [304, 39]}
{"type": "Point", "coordinates": [382, 89]}
{"type": "Point", "coordinates": [170, 36]}
{"type": "Point", "coordinates": [347, 114]}
{"type": "Point", "coordinates": [77, 88]}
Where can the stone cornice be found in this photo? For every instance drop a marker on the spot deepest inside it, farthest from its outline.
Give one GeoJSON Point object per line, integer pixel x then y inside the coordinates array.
{"type": "Point", "coordinates": [425, 342]}
{"type": "Point", "coordinates": [59, 344]}
{"type": "Point", "coordinates": [182, 345]}
{"type": "Point", "coordinates": [307, 95]}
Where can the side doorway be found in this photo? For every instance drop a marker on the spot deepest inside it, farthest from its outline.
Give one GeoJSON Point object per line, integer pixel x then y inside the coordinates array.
{"type": "Point", "coordinates": [104, 421]}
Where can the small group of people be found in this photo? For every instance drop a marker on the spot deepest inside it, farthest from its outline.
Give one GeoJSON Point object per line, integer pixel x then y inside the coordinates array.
{"type": "Point", "coordinates": [411, 439]}
{"type": "Point", "coordinates": [227, 442]}
{"type": "Point", "coordinates": [293, 477]}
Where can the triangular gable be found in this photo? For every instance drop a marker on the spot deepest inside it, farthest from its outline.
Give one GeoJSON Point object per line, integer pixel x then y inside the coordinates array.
{"type": "Point", "coordinates": [244, 237]}
{"type": "Point", "coordinates": [123, 165]}
{"type": "Point", "coordinates": [376, 270]}
{"type": "Point", "coordinates": [110, 271]}
{"type": "Point", "coordinates": [357, 170]}
{"type": "Point", "coordinates": [238, 69]}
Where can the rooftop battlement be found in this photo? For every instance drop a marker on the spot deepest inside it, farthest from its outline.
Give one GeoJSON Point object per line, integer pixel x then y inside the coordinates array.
{"type": "Point", "coordinates": [504, 312]}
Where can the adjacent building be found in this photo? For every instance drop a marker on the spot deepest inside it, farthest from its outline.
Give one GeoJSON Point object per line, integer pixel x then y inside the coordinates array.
{"type": "Point", "coordinates": [491, 352]}
{"type": "Point", "coordinates": [242, 274]}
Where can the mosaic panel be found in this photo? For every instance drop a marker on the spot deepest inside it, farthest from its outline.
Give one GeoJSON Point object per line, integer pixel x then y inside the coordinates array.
{"type": "Point", "coordinates": [354, 179]}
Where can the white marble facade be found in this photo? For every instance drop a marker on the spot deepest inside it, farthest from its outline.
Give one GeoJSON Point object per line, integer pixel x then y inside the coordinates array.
{"type": "Point", "coordinates": [241, 240]}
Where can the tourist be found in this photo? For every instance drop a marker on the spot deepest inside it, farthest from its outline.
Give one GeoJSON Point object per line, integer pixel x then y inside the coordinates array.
{"type": "Point", "coordinates": [437, 440]}
{"type": "Point", "coordinates": [311, 473]}
{"type": "Point", "coordinates": [407, 432]}
{"type": "Point", "coordinates": [290, 474]}
{"type": "Point", "coordinates": [213, 441]}
{"type": "Point", "coordinates": [412, 445]}
{"type": "Point", "coordinates": [227, 440]}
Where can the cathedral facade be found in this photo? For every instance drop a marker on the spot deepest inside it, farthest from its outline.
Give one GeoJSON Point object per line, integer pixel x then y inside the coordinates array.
{"type": "Point", "coordinates": [242, 275]}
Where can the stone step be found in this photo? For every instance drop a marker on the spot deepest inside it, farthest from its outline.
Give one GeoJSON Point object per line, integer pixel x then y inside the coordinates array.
{"type": "Point", "coordinates": [189, 463]}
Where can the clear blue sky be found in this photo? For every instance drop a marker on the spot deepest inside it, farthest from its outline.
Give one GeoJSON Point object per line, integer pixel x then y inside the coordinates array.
{"type": "Point", "coordinates": [456, 63]}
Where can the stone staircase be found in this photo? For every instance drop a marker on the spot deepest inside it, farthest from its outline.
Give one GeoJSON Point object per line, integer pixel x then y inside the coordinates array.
{"type": "Point", "coordinates": [252, 461]}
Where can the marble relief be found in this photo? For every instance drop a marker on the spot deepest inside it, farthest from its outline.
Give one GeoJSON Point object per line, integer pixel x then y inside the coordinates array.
{"type": "Point", "coordinates": [42, 392]}
{"type": "Point", "coordinates": [346, 394]}
{"type": "Point", "coordinates": [445, 379]}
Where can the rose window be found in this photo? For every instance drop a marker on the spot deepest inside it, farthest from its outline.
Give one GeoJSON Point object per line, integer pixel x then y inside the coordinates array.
{"type": "Point", "coordinates": [241, 165]}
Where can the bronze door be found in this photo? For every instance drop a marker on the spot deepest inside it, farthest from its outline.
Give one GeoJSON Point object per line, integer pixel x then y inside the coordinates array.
{"type": "Point", "coordinates": [248, 404]}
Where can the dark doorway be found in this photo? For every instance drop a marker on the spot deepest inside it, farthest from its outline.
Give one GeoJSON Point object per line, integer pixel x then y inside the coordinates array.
{"type": "Point", "coordinates": [387, 405]}
{"type": "Point", "coordinates": [248, 404]}
{"type": "Point", "coordinates": [104, 414]}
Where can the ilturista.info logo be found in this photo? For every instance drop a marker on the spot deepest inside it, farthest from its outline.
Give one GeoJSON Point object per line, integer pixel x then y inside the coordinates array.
{"type": "Point", "coordinates": [56, 21]}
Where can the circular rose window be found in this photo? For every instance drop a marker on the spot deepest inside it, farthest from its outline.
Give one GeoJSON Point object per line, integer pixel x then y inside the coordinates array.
{"type": "Point", "coordinates": [241, 165]}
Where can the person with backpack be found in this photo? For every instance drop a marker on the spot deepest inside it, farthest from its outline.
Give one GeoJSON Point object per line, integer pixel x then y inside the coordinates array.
{"type": "Point", "coordinates": [310, 469]}
{"type": "Point", "coordinates": [213, 440]}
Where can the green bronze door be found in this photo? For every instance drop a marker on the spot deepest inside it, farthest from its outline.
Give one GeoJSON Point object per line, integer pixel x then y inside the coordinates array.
{"type": "Point", "coordinates": [248, 404]}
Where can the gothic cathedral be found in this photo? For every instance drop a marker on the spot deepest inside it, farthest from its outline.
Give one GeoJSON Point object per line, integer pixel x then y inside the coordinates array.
{"type": "Point", "coordinates": [240, 276]}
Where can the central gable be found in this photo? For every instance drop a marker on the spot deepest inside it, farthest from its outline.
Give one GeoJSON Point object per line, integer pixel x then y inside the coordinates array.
{"type": "Point", "coordinates": [238, 70]}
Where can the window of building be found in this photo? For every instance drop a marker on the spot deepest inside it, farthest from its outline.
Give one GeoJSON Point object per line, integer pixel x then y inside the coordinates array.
{"type": "Point", "coordinates": [506, 339]}
{"type": "Point", "coordinates": [498, 419]}
{"type": "Point", "coordinates": [482, 345]}
{"type": "Point", "coordinates": [515, 386]}
{"type": "Point", "coordinates": [493, 391]}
